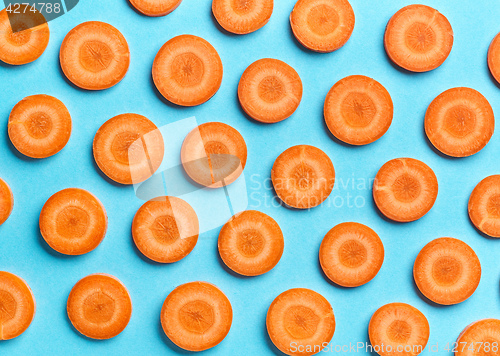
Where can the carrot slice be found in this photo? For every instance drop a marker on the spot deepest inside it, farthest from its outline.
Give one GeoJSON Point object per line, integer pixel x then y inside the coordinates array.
{"type": "Point", "coordinates": [405, 189]}
{"type": "Point", "coordinates": [303, 176]}
{"type": "Point", "coordinates": [480, 338]}
{"type": "Point", "coordinates": [351, 254]}
{"type": "Point", "coordinates": [128, 148]}
{"type": "Point", "coordinates": [300, 322]}
{"type": "Point", "coordinates": [73, 222]}
{"type": "Point", "coordinates": [270, 90]}
{"type": "Point", "coordinates": [17, 306]}
{"type": "Point", "coordinates": [94, 56]}
{"type": "Point", "coordinates": [196, 316]}
{"type": "Point", "coordinates": [418, 38]}
{"type": "Point", "coordinates": [165, 229]}
{"type": "Point", "coordinates": [322, 25]}
{"type": "Point", "coordinates": [24, 36]}
{"type": "Point", "coordinates": [251, 243]}
{"type": "Point", "coordinates": [39, 126]}
{"type": "Point", "coordinates": [484, 206]}
{"type": "Point", "coordinates": [398, 329]}
{"type": "Point", "coordinates": [242, 17]}
{"type": "Point", "coordinates": [99, 306]}
{"type": "Point", "coordinates": [459, 122]}
{"type": "Point", "coordinates": [187, 70]}
{"type": "Point", "coordinates": [6, 201]}
{"type": "Point", "coordinates": [155, 8]}
{"type": "Point", "coordinates": [214, 154]}
{"type": "Point", "coordinates": [494, 58]}
{"type": "Point", "coordinates": [358, 110]}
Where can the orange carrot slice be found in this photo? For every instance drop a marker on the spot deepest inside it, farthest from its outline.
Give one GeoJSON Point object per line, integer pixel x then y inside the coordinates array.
{"type": "Point", "coordinates": [270, 90]}
{"type": "Point", "coordinates": [39, 126]}
{"type": "Point", "coordinates": [214, 154]}
{"type": "Point", "coordinates": [405, 189]}
{"type": "Point", "coordinates": [479, 338]}
{"type": "Point", "coordinates": [6, 201]}
{"type": "Point", "coordinates": [24, 36]}
{"type": "Point", "coordinates": [17, 306]}
{"type": "Point", "coordinates": [251, 243]}
{"type": "Point", "coordinates": [322, 25]}
{"type": "Point", "coordinates": [484, 206]}
{"type": "Point", "coordinates": [351, 254]}
{"type": "Point", "coordinates": [242, 17]}
{"type": "Point", "coordinates": [165, 229]}
{"type": "Point", "coordinates": [459, 122]}
{"type": "Point", "coordinates": [73, 222]}
{"type": "Point", "coordinates": [187, 70]}
{"type": "Point", "coordinates": [303, 176]}
{"type": "Point", "coordinates": [398, 329]}
{"type": "Point", "coordinates": [128, 148]}
{"type": "Point", "coordinates": [196, 316]}
{"type": "Point", "coordinates": [494, 58]}
{"type": "Point", "coordinates": [418, 38]}
{"type": "Point", "coordinates": [447, 271]}
{"type": "Point", "coordinates": [99, 306]}
{"type": "Point", "coordinates": [155, 8]}
{"type": "Point", "coordinates": [358, 110]}
{"type": "Point", "coordinates": [94, 56]}
{"type": "Point", "coordinates": [300, 322]}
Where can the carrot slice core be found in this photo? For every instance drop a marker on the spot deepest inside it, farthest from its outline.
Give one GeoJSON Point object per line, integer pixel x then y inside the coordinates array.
{"type": "Point", "coordinates": [484, 206]}
{"type": "Point", "coordinates": [480, 338]}
{"type": "Point", "coordinates": [6, 201]}
{"type": "Point", "coordinates": [242, 16]}
{"type": "Point", "coordinates": [155, 8]}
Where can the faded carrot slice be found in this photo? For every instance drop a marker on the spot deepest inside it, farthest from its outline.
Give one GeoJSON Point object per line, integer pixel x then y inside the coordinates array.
{"type": "Point", "coordinates": [24, 36]}
{"type": "Point", "coordinates": [418, 38]}
{"type": "Point", "coordinates": [494, 58]}
{"type": "Point", "coordinates": [39, 126]}
{"type": "Point", "coordinates": [6, 201]}
{"type": "Point", "coordinates": [17, 306]}
{"type": "Point", "coordinates": [447, 271]}
{"type": "Point", "coordinates": [303, 176]}
{"type": "Point", "coordinates": [300, 322]}
{"type": "Point", "coordinates": [99, 306]}
{"type": "Point", "coordinates": [187, 70]}
{"type": "Point", "coordinates": [398, 329]}
{"type": "Point", "coordinates": [459, 122]}
{"type": "Point", "coordinates": [405, 189]}
{"type": "Point", "coordinates": [214, 154]}
{"type": "Point", "coordinates": [196, 316]}
{"type": "Point", "coordinates": [155, 8]}
{"type": "Point", "coordinates": [242, 17]}
{"type": "Point", "coordinates": [270, 90]}
{"type": "Point", "coordinates": [484, 206]}
{"type": "Point", "coordinates": [165, 229]}
{"type": "Point", "coordinates": [94, 55]}
{"type": "Point", "coordinates": [128, 148]}
{"type": "Point", "coordinates": [358, 110]}
{"type": "Point", "coordinates": [73, 222]}
{"type": "Point", "coordinates": [351, 254]}
{"type": "Point", "coordinates": [251, 243]}
{"type": "Point", "coordinates": [322, 25]}
{"type": "Point", "coordinates": [479, 338]}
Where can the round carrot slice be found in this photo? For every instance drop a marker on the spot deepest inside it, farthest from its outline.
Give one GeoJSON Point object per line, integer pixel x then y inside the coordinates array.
{"type": "Point", "coordinates": [17, 306]}
{"type": "Point", "coordinates": [351, 254]}
{"type": "Point", "coordinates": [242, 17]}
{"type": "Point", "coordinates": [303, 176]}
{"type": "Point", "coordinates": [270, 90]}
{"type": "Point", "coordinates": [322, 25]}
{"type": "Point", "coordinates": [251, 243]}
{"type": "Point", "coordinates": [73, 222]}
{"type": "Point", "coordinates": [196, 316]}
{"type": "Point", "coordinates": [128, 148]}
{"type": "Point", "coordinates": [214, 154]}
{"type": "Point", "coordinates": [459, 122]}
{"type": "Point", "coordinates": [484, 206]}
{"type": "Point", "coordinates": [6, 201]}
{"type": "Point", "coordinates": [358, 110]}
{"type": "Point", "coordinates": [480, 338]}
{"type": "Point", "coordinates": [39, 126]}
{"type": "Point", "coordinates": [94, 56]}
{"type": "Point", "coordinates": [418, 38]}
{"type": "Point", "coordinates": [99, 306]}
{"type": "Point", "coordinates": [300, 319]}
{"type": "Point", "coordinates": [155, 8]}
{"type": "Point", "coordinates": [447, 271]}
{"type": "Point", "coordinates": [494, 58]}
{"type": "Point", "coordinates": [405, 189]}
{"type": "Point", "coordinates": [24, 36]}
{"type": "Point", "coordinates": [398, 329]}
{"type": "Point", "coordinates": [187, 70]}
{"type": "Point", "coordinates": [165, 229]}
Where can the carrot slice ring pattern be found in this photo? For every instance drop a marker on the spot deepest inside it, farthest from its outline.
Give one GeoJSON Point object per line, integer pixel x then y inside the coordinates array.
{"type": "Point", "coordinates": [6, 201]}
{"type": "Point", "coordinates": [494, 58]}
{"type": "Point", "coordinates": [155, 8]}
{"type": "Point", "coordinates": [480, 338]}
{"type": "Point", "coordinates": [484, 206]}
{"type": "Point", "coordinates": [242, 17]}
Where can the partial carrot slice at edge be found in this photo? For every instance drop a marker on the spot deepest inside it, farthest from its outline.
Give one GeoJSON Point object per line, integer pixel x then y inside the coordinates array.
{"type": "Point", "coordinates": [484, 206]}
{"type": "Point", "coordinates": [155, 8]}
{"type": "Point", "coordinates": [6, 201]}
{"type": "Point", "coordinates": [242, 17]}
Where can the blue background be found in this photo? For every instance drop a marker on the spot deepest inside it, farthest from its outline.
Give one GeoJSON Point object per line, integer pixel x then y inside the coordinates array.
{"type": "Point", "coordinates": [51, 276]}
